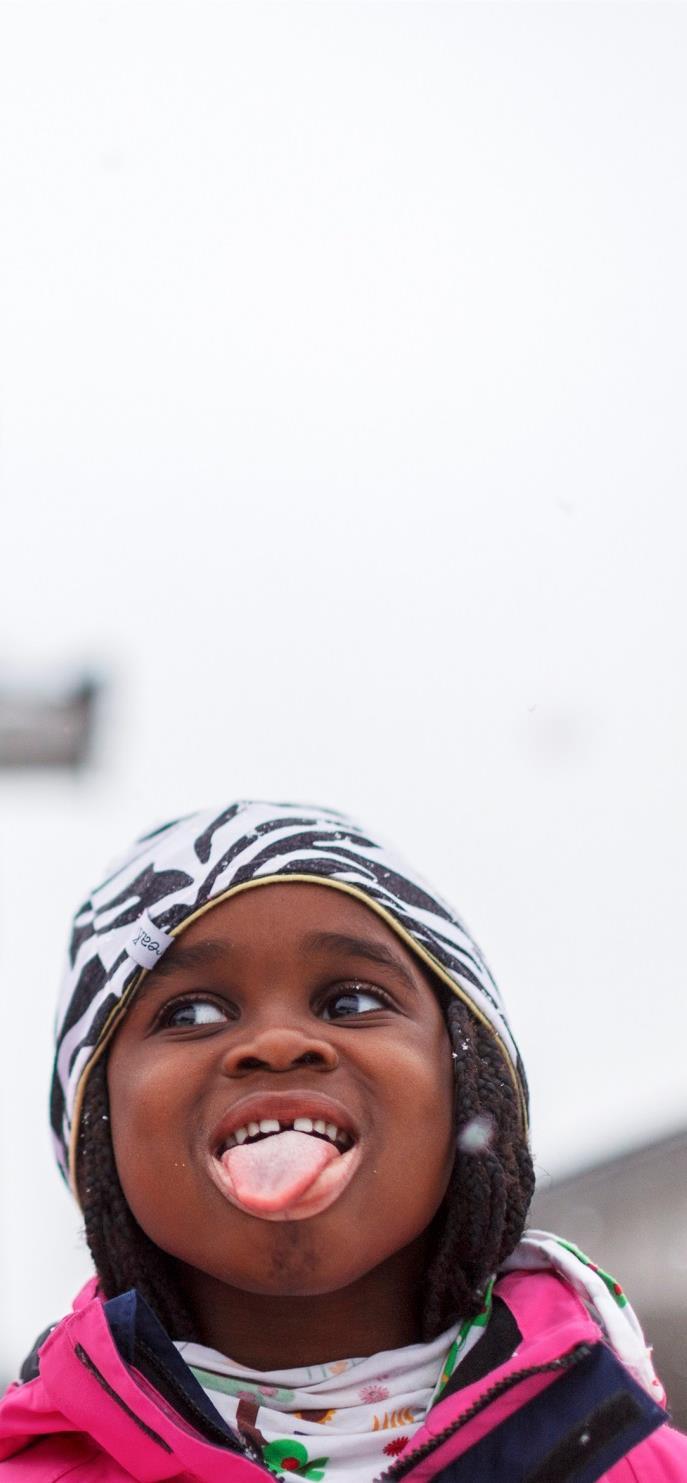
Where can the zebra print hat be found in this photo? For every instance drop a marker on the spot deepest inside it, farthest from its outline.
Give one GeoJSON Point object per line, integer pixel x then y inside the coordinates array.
{"type": "Point", "coordinates": [169, 877]}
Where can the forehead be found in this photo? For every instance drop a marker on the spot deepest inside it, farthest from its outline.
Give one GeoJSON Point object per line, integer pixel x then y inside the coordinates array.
{"type": "Point", "coordinates": [293, 919]}
{"type": "Point", "coordinates": [297, 905]}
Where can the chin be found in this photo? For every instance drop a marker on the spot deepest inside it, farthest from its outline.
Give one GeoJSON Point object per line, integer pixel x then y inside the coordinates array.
{"type": "Point", "coordinates": [296, 1266]}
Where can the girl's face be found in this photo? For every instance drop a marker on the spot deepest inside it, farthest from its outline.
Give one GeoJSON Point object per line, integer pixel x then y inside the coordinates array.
{"type": "Point", "coordinates": [294, 998]}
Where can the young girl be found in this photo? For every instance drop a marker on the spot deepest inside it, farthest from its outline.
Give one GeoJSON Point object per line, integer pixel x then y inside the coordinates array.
{"type": "Point", "coordinates": [290, 1105]}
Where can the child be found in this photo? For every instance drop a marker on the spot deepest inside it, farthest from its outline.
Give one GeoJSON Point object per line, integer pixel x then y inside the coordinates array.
{"type": "Point", "coordinates": [296, 1122]}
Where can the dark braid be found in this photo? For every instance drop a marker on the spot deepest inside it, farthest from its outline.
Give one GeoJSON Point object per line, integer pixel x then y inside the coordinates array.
{"type": "Point", "coordinates": [480, 1221]}
{"type": "Point", "coordinates": [123, 1255]}
{"type": "Point", "coordinates": [483, 1214]}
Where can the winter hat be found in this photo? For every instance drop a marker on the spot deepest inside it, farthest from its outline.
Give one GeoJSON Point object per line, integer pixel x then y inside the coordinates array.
{"type": "Point", "coordinates": [171, 876]}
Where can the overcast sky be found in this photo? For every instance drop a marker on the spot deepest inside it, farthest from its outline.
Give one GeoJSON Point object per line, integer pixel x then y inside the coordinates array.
{"type": "Point", "coordinates": [342, 390]}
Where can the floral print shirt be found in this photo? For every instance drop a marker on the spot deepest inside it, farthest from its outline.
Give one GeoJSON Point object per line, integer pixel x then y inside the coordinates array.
{"type": "Point", "coordinates": [344, 1422]}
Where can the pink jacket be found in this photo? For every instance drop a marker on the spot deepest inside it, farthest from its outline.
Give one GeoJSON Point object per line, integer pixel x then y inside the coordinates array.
{"type": "Point", "coordinates": [540, 1399]}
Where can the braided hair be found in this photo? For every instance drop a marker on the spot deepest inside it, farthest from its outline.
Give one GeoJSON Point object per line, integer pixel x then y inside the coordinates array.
{"type": "Point", "coordinates": [123, 1256]}
{"type": "Point", "coordinates": [479, 1223]}
{"type": "Point", "coordinates": [482, 1216]}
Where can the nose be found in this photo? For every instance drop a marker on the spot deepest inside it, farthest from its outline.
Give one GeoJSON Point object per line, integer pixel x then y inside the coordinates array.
{"type": "Point", "coordinates": [279, 1048]}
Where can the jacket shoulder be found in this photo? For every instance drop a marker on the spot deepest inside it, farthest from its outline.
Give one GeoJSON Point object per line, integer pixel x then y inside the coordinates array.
{"type": "Point", "coordinates": [543, 1300]}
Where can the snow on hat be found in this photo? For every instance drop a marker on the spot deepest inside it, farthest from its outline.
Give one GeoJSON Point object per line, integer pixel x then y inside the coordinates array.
{"type": "Point", "coordinates": [169, 877]}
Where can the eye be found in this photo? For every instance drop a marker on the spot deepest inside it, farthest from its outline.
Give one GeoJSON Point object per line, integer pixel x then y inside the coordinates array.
{"type": "Point", "coordinates": [191, 1013]}
{"type": "Point", "coordinates": [353, 1000]}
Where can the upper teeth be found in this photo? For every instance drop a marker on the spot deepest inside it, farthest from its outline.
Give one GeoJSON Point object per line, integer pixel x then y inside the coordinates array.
{"type": "Point", "coordinates": [299, 1125]}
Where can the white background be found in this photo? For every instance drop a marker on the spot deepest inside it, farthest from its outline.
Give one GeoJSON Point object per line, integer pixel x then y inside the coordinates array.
{"type": "Point", "coordinates": [342, 426]}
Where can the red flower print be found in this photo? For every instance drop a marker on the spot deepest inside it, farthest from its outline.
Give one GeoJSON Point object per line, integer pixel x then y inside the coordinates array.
{"type": "Point", "coordinates": [372, 1393]}
{"type": "Point", "coordinates": [396, 1445]}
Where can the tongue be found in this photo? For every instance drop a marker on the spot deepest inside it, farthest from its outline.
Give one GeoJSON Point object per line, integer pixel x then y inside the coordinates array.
{"type": "Point", "coordinates": [272, 1174]}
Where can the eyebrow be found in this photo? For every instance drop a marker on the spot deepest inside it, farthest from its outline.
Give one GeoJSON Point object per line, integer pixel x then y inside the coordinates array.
{"type": "Point", "coordinates": [200, 955]}
{"type": "Point", "coordinates": [208, 954]}
{"type": "Point", "coordinates": [360, 947]}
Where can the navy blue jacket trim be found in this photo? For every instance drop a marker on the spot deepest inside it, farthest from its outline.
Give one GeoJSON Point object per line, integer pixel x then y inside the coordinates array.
{"type": "Point", "coordinates": [572, 1432]}
{"type": "Point", "coordinates": [144, 1343]}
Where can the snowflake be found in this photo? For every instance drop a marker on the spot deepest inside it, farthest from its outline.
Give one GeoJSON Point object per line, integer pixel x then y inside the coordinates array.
{"type": "Point", "coordinates": [396, 1445]}
{"type": "Point", "coordinates": [372, 1393]}
{"type": "Point", "coordinates": [476, 1135]}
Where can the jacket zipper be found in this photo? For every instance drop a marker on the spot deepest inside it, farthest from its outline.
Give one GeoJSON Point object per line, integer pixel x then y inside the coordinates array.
{"type": "Point", "coordinates": [199, 1421]}
{"type": "Point", "coordinates": [235, 1443]}
{"type": "Point", "coordinates": [406, 1464]}
{"type": "Point", "coordinates": [90, 1365]}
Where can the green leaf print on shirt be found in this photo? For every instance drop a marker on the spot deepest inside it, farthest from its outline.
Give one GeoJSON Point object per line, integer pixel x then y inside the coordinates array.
{"type": "Point", "coordinates": [289, 1456]}
{"type": "Point", "coordinates": [231, 1385]}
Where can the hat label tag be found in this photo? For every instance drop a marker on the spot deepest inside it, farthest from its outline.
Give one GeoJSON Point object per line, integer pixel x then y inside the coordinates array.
{"type": "Point", "coordinates": [148, 943]}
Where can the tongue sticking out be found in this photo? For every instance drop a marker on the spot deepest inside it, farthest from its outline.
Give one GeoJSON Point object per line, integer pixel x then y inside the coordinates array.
{"type": "Point", "coordinates": [271, 1175]}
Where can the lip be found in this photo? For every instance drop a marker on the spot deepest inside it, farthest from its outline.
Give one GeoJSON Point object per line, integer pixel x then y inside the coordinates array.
{"type": "Point", "coordinates": [283, 1106]}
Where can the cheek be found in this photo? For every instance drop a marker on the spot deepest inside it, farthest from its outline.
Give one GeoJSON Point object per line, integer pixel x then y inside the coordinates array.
{"type": "Point", "coordinates": [424, 1140]}
{"type": "Point", "coordinates": [143, 1132]}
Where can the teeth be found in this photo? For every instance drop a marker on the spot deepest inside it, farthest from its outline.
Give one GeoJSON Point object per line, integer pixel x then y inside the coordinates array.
{"type": "Point", "coordinates": [299, 1125]}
